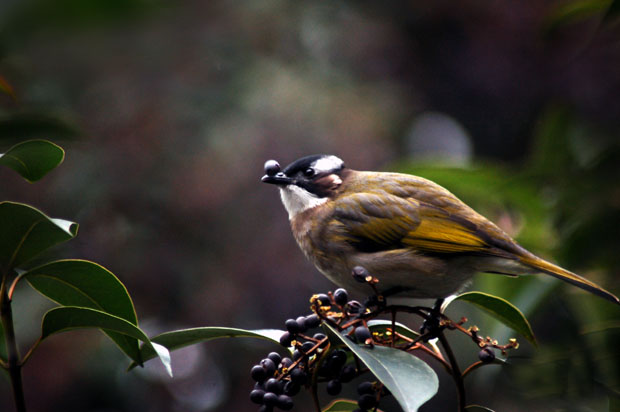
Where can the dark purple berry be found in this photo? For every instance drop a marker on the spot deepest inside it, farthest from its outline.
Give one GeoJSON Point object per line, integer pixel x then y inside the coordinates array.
{"type": "Point", "coordinates": [291, 388]}
{"type": "Point", "coordinates": [347, 373]}
{"type": "Point", "coordinates": [258, 373]}
{"type": "Point", "coordinates": [286, 339]}
{"type": "Point", "coordinates": [257, 395]}
{"type": "Point", "coordinates": [274, 385]}
{"type": "Point", "coordinates": [365, 388]}
{"type": "Point", "coordinates": [307, 346]}
{"type": "Point", "coordinates": [362, 334]}
{"type": "Point", "coordinates": [292, 326]}
{"type": "Point", "coordinates": [301, 323]}
{"type": "Point", "coordinates": [285, 402]}
{"type": "Point", "coordinates": [269, 366]}
{"type": "Point", "coordinates": [323, 300]}
{"type": "Point", "coordinates": [297, 354]}
{"type": "Point", "coordinates": [360, 274]}
{"type": "Point", "coordinates": [275, 357]}
{"type": "Point", "coordinates": [287, 362]}
{"type": "Point", "coordinates": [354, 307]}
{"type": "Point", "coordinates": [338, 358]}
{"type": "Point", "coordinates": [486, 355]}
{"type": "Point", "coordinates": [270, 399]}
{"type": "Point", "coordinates": [312, 321]}
{"type": "Point", "coordinates": [299, 376]}
{"type": "Point", "coordinates": [272, 167]}
{"type": "Point", "coordinates": [334, 387]}
{"type": "Point", "coordinates": [321, 337]}
{"type": "Point", "coordinates": [365, 401]}
{"type": "Point", "coordinates": [341, 297]}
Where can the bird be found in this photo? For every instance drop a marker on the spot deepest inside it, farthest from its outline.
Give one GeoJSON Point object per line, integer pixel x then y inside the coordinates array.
{"type": "Point", "coordinates": [411, 234]}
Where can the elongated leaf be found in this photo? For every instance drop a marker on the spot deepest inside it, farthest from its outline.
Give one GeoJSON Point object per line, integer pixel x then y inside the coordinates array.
{"type": "Point", "coordinates": [411, 380]}
{"type": "Point", "coordinates": [75, 282]}
{"type": "Point", "coordinates": [26, 232]}
{"type": "Point", "coordinates": [180, 338]}
{"type": "Point", "coordinates": [501, 310]}
{"type": "Point", "coordinates": [66, 318]}
{"type": "Point", "coordinates": [33, 159]}
{"type": "Point", "coordinates": [86, 284]}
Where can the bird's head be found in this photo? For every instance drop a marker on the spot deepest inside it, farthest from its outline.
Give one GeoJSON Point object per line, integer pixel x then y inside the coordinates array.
{"type": "Point", "coordinates": [307, 182]}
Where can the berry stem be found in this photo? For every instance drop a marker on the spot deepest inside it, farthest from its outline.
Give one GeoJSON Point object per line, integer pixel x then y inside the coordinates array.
{"type": "Point", "coordinates": [456, 372]}
{"type": "Point", "coordinates": [472, 368]}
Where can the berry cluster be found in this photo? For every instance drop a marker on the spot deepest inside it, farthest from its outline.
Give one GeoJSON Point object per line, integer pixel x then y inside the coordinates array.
{"type": "Point", "coordinates": [269, 391]}
{"type": "Point", "coordinates": [315, 360]}
{"type": "Point", "coordinates": [278, 378]}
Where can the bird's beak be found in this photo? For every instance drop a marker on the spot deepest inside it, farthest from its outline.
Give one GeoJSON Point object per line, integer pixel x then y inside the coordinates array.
{"type": "Point", "coordinates": [278, 179]}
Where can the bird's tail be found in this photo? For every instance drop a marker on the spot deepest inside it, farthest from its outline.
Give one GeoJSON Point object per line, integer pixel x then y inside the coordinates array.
{"type": "Point", "coordinates": [542, 265]}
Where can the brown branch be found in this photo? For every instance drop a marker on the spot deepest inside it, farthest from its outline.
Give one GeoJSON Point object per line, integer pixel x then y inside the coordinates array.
{"type": "Point", "coordinates": [13, 363]}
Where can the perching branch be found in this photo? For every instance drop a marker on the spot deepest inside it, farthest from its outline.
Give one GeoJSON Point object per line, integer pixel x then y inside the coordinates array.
{"type": "Point", "coordinates": [13, 364]}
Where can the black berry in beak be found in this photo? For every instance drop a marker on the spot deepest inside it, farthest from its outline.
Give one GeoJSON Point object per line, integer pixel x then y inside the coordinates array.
{"type": "Point", "coordinates": [273, 174]}
{"type": "Point", "coordinates": [271, 167]}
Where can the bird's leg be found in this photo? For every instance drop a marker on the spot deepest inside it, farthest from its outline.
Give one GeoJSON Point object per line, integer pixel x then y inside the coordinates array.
{"type": "Point", "coordinates": [432, 322]}
{"type": "Point", "coordinates": [375, 301]}
{"type": "Point", "coordinates": [379, 299]}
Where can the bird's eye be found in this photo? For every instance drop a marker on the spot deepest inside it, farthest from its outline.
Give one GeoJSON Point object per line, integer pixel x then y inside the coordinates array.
{"type": "Point", "coordinates": [309, 172]}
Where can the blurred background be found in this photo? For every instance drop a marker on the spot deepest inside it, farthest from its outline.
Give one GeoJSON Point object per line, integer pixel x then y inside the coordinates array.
{"type": "Point", "coordinates": [168, 110]}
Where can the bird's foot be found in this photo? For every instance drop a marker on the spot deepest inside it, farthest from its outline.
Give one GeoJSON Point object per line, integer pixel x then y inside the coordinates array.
{"type": "Point", "coordinates": [432, 323]}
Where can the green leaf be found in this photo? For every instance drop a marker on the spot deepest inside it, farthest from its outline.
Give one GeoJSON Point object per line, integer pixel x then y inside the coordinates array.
{"type": "Point", "coordinates": [411, 380]}
{"type": "Point", "coordinates": [66, 318]}
{"type": "Point", "coordinates": [86, 284]}
{"type": "Point", "coordinates": [180, 338]}
{"type": "Point", "coordinates": [501, 310]}
{"type": "Point", "coordinates": [342, 405]}
{"type": "Point", "coordinates": [26, 232]}
{"type": "Point", "coordinates": [33, 159]}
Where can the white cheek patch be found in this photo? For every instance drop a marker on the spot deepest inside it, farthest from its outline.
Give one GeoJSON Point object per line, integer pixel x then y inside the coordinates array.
{"type": "Point", "coordinates": [327, 164]}
{"type": "Point", "coordinates": [297, 200]}
{"type": "Point", "coordinates": [335, 180]}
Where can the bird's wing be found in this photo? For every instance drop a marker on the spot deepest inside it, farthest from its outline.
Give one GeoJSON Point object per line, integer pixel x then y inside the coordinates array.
{"type": "Point", "coordinates": [382, 221]}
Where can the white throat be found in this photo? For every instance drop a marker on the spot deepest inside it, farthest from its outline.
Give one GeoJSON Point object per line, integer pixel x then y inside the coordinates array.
{"type": "Point", "coordinates": [297, 200]}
